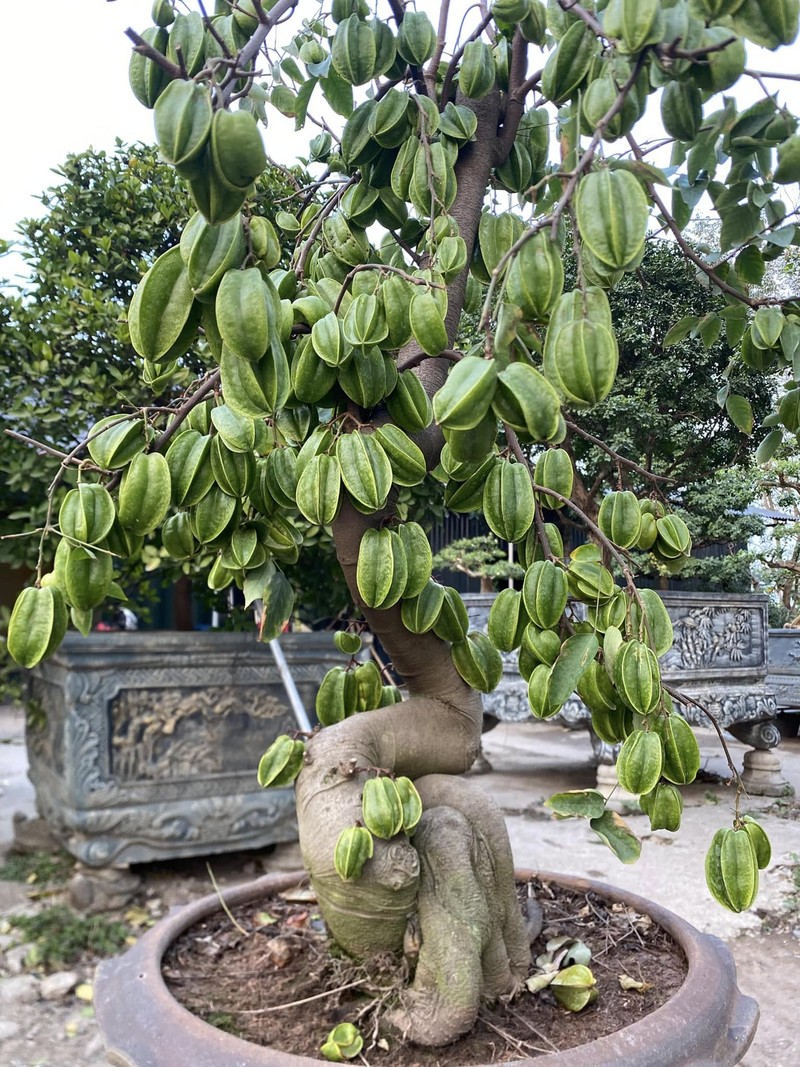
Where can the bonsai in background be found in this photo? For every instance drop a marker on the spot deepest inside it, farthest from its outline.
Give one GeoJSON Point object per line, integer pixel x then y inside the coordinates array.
{"type": "Point", "coordinates": [331, 387]}
{"type": "Point", "coordinates": [483, 558]}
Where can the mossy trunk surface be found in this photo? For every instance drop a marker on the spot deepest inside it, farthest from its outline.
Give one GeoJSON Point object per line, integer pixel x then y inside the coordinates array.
{"type": "Point", "coordinates": [449, 888]}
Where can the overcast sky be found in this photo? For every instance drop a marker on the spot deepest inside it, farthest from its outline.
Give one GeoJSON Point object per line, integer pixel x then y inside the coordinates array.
{"type": "Point", "coordinates": [66, 69]}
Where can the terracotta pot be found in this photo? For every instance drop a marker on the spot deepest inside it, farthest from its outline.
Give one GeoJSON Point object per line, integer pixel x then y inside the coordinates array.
{"type": "Point", "coordinates": [708, 1023]}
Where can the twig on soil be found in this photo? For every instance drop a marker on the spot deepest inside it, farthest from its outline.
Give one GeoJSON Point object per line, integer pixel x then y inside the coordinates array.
{"type": "Point", "coordinates": [224, 906]}
{"type": "Point", "coordinates": [630, 920]}
{"type": "Point", "coordinates": [520, 1046]}
{"type": "Point", "coordinates": [295, 1003]}
{"type": "Point", "coordinates": [533, 1030]}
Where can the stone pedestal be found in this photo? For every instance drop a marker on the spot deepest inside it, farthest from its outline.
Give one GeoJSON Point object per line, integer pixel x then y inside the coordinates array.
{"type": "Point", "coordinates": [92, 889]}
{"type": "Point", "coordinates": [145, 746]}
{"type": "Point", "coordinates": [762, 776]}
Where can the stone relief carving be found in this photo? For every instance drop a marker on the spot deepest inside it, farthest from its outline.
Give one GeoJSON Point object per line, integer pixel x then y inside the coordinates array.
{"type": "Point", "coordinates": [708, 638]}
{"type": "Point", "coordinates": [108, 835]}
{"type": "Point", "coordinates": [784, 671]}
{"type": "Point", "coordinates": [715, 637]}
{"type": "Point", "coordinates": [179, 732]}
{"type": "Point", "coordinates": [137, 759]}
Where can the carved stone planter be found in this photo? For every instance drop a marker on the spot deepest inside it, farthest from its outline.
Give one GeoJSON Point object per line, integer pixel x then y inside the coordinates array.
{"type": "Point", "coordinates": [144, 746]}
{"type": "Point", "coordinates": [784, 676]}
{"type": "Point", "coordinates": [708, 1023]}
{"type": "Point", "coordinates": [719, 658]}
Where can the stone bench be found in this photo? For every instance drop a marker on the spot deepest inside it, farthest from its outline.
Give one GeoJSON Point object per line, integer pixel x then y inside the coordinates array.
{"type": "Point", "coordinates": [719, 658]}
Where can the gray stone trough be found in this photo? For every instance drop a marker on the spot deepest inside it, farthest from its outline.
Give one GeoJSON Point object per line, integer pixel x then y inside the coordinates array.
{"type": "Point", "coordinates": [719, 659]}
{"type": "Point", "coordinates": [144, 746]}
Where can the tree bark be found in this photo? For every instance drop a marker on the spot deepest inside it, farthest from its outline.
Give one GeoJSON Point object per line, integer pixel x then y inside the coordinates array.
{"type": "Point", "coordinates": [453, 879]}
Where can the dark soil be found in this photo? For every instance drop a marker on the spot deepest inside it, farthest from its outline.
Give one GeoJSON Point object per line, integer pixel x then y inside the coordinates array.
{"type": "Point", "coordinates": [278, 981]}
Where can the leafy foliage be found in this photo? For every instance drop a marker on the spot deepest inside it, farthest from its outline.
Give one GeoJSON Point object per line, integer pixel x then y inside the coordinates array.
{"type": "Point", "coordinates": [60, 937]}
{"type": "Point", "coordinates": [66, 354]}
{"type": "Point", "coordinates": [664, 414]}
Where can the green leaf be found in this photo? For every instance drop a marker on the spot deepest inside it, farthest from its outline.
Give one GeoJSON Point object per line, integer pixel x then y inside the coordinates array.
{"type": "Point", "coordinates": [710, 328]}
{"type": "Point", "coordinates": [750, 265]}
{"type": "Point", "coordinates": [739, 224]}
{"type": "Point", "coordinates": [576, 654]}
{"type": "Point", "coordinates": [782, 237]}
{"type": "Point", "coordinates": [681, 211]}
{"type": "Point", "coordinates": [288, 66]}
{"type": "Point", "coordinates": [614, 832]}
{"type": "Point", "coordinates": [278, 598]}
{"type": "Point", "coordinates": [735, 318]}
{"type": "Point", "coordinates": [255, 581]}
{"type": "Point", "coordinates": [790, 342]}
{"type": "Point", "coordinates": [682, 328]}
{"type": "Point", "coordinates": [338, 93]}
{"type": "Point", "coordinates": [587, 803]}
{"type": "Point", "coordinates": [740, 412]}
{"type": "Point", "coordinates": [302, 102]}
{"type": "Point", "coordinates": [645, 172]}
{"type": "Point", "coordinates": [702, 158]}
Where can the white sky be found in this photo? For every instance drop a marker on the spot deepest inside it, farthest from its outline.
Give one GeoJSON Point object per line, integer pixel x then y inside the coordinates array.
{"type": "Point", "coordinates": [67, 90]}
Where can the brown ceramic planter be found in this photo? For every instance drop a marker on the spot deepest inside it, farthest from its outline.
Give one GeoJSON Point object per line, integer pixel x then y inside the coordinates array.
{"type": "Point", "coordinates": [708, 1023]}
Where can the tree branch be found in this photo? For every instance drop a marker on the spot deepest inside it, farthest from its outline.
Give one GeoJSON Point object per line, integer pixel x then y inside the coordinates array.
{"type": "Point", "coordinates": [690, 253]}
{"type": "Point", "coordinates": [575, 428]}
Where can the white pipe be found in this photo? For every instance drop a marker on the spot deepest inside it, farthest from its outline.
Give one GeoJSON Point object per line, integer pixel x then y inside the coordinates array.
{"type": "Point", "coordinates": [295, 699]}
{"type": "Point", "coordinates": [291, 689]}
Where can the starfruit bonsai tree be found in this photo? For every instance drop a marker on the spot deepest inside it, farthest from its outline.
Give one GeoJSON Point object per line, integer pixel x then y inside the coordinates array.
{"type": "Point", "coordinates": [453, 153]}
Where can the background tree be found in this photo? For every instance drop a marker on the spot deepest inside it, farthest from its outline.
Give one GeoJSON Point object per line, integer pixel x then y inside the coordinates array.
{"type": "Point", "coordinates": [777, 551]}
{"type": "Point", "coordinates": [332, 385]}
{"type": "Point", "coordinates": [667, 414]}
{"type": "Point", "coordinates": [67, 354]}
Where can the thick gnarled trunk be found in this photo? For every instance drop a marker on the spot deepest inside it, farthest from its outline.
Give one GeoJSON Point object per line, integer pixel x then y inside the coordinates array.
{"type": "Point", "coordinates": [453, 880]}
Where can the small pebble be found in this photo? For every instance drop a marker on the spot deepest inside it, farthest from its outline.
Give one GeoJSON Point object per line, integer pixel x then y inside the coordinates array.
{"type": "Point", "coordinates": [15, 957]}
{"type": "Point", "coordinates": [22, 989]}
{"type": "Point", "coordinates": [59, 985]}
{"type": "Point", "coordinates": [8, 1029]}
{"type": "Point", "coordinates": [94, 1047]}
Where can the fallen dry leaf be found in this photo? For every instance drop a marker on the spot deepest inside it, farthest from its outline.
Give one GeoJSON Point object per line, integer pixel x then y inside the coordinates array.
{"type": "Point", "coordinates": [279, 951]}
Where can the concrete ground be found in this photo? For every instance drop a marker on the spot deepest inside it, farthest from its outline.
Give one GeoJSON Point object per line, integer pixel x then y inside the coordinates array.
{"type": "Point", "coordinates": [529, 762]}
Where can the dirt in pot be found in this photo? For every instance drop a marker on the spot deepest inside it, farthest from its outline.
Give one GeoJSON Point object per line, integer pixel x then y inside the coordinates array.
{"type": "Point", "coordinates": [269, 975]}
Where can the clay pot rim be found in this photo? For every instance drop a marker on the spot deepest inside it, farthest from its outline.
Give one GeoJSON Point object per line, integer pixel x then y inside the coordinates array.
{"type": "Point", "coordinates": [707, 1021]}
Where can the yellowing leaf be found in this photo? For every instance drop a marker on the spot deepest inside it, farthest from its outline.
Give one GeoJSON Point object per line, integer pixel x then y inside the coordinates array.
{"type": "Point", "coordinates": [538, 982]}
{"type": "Point", "coordinates": [626, 982]}
{"type": "Point", "coordinates": [138, 917]}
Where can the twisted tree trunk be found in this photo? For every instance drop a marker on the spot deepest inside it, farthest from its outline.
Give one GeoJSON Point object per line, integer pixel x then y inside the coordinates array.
{"type": "Point", "coordinates": [453, 881]}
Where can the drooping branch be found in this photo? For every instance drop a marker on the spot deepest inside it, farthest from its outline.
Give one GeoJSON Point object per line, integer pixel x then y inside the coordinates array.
{"type": "Point", "coordinates": [433, 671]}
{"type": "Point", "coordinates": [694, 257]}
{"type": "Point", "coordinates": [592, 440]}
{"type": "Point", "coordinates": [553, 217]}
{"type": "Point", "coordinates": [209, 385]}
